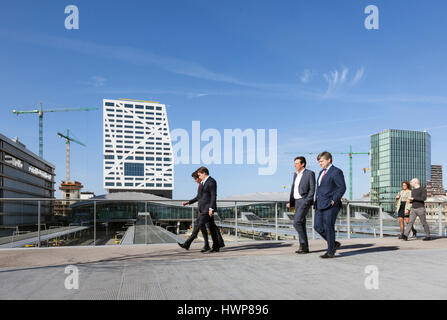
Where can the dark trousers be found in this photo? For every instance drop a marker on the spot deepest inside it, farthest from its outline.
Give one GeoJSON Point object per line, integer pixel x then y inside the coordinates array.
{"type": "Point", "coordinates": [212, 224]}
{"type": "Point", "coordinates": [204, 234]}
{"type": "Point", "coordinates": [325, 226]}
{"type": "Point", "coordinates": [299, 222]}
{"type": "Point", "coordinates": [202, 220]}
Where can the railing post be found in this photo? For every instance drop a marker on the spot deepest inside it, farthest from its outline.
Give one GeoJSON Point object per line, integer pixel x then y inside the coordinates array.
{"type": "Point", "coordinates": [38, 224]}
{"type": "Point", "coordinates": [440, 219]}
{"type": "Point", "coordinates": [145, 222]}
{"type": "Point", "coordinates": [380, 221]}
{"type": "Point", "coordinates": [145, 228]}
{"type": "Point", "coordinates": [192, 217]}
{"type": "Point", "coordinates": [235, 219]}
{"type": "Point", "coordinates": [276, 221]}
{"type": "Point", "coordinates": [313, 223]}
{"type": "Point", "coordinates": [348, 219]}
{"type": "Point", "coordinates": [94, 223]}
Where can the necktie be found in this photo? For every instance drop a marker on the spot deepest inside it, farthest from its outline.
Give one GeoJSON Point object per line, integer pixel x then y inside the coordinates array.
{"type": "Point", "coordinates": [322, 176]}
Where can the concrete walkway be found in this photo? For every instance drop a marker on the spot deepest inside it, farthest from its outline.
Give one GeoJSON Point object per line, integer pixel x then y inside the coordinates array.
{"type": "Point", "coordinates": [244, 270]}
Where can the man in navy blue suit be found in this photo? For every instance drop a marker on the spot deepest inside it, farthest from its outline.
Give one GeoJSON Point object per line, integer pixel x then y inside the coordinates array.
{"type": "Point", "coordinates": [331, 187]}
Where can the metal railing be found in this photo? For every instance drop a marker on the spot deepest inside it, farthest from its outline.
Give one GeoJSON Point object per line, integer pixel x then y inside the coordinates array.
{"type": "Point", "coordinates": [99, 221]}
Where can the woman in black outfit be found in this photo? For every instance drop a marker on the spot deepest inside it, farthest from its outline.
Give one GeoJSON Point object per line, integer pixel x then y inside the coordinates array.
{"type": "Point", "coordinates": [403, 207]}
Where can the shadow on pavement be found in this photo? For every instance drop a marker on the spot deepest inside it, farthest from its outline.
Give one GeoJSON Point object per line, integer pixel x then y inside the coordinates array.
{"type": "Point", "coordinates": [352, 246]}
{"type": "Point", "coordinates": [368, 250]}
{"type": "Point", "coordinates": [165, 254]}
{"type": "Point", "coordinates": [273, 245]}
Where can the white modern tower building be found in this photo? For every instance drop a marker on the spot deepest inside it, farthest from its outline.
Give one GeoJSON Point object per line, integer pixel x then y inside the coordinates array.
{"type": "Point", "coordinates": [137, 147]}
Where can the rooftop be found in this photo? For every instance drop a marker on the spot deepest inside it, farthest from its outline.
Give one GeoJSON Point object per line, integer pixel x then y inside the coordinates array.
{"type": "Point", "coordinates": [244, 270]}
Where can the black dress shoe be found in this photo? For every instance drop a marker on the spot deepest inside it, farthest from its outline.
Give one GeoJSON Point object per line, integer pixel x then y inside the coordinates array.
{"type": "Point", "coordinates": [183, 246]}
{"type": "Point", "coordinates": [327, 256]}
{"type": "Point", "coordinates": [337, 245]}
{"type": "Point", "coordinates": [213, 250]}
{"type": "Point", "coordinates": [404, 237]}
{"type": "Point", "coordinates": [205, 249]}
{"type": "Point", "coordinates": [302, 249]}
{"type": "Point", "coordinates": [427, 239]}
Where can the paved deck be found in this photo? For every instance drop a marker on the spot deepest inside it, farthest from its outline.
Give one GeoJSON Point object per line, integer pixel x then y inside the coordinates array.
{"type": "Point", "coordinates": [250, 270]}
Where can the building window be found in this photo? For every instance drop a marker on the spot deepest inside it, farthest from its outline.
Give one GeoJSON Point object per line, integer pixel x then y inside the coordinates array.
{"type": "Point", "coordinates": [134, 169]}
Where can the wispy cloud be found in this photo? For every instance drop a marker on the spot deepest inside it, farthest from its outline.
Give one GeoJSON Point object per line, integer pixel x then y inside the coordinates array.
{"type": "Point", "coordinates": [305, 77]}
{"type": "Point", "coordinates": [338, 81]}
{"type": "Point", "coordinates": [126, 54]}
{"type": "Point", "coordinates": [188, 93]}
{"type": "Point", "coordinates": [358, 76]}
{"type": "Point", "coordinates": [196, 95]}
{"type": "Point", "coordinates": [95, 81]}
{"type": "Point", "coordinates": [135, 56]}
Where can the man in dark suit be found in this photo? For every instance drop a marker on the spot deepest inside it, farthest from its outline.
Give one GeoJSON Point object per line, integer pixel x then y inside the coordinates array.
{"type": "Point", "coordinates": [196, 229]}
{"type": "Point", "coordinates": [207, 206]}
{"type": "Point", "coordinates": [331, 187]}
{"type": "Point", "coordinates": [302, 198]}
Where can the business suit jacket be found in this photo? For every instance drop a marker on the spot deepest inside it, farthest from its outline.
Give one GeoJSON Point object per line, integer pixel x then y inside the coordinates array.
{"type": "Point", "coordinates": [306, 188]}
{"type": "Point", "coordinates": [332, 188]}
{"type": "Point", "coordinates": [208, 196]}
{"type": "Point", "coordinates": [197, 197]}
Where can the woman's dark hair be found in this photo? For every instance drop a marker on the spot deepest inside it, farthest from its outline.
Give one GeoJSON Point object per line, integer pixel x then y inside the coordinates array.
{"type": "Point", "coordinates": [195, 175]}
{"type": "Point", "coordinates": [408, 184]}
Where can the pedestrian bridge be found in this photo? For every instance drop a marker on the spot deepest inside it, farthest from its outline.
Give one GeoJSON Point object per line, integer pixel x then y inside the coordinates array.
{"type": "Point", "coordinates": [242, 270]}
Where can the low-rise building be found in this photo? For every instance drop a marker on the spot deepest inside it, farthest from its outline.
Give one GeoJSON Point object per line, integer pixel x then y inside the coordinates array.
{"type": "Point", "coordinates": [23, 174]}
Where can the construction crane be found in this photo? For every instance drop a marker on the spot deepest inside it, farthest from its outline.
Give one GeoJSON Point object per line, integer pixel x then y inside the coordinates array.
{"type": "Point", "coordinates": [67, 152]}
{"type": "Point", "coordinates": [350, 154]}
{"type": "Point", "coordinates": [41, 112]}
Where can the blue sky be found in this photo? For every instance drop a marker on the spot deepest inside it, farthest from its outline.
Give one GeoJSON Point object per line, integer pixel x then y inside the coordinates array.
{"type": "Point", "coordinates": [307, 68]}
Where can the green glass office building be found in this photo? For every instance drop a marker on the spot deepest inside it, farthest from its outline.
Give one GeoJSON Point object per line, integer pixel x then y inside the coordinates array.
{"type": "Point", "coordinates": [397, 156]}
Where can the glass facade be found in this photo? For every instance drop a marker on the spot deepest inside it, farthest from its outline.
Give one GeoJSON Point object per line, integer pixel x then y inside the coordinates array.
{"type": "Point", "coordinates": [397, 156]}
{"type": "Point", "coordinates": [134, 169]}
{"type": "Point", "coordinates": [24, 175]}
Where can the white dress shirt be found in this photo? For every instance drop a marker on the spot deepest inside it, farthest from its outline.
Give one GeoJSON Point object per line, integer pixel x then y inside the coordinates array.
{"type": "Point", "coordinates": [321, 177]}
{"type": "Point", "coordinates": [296, 192]}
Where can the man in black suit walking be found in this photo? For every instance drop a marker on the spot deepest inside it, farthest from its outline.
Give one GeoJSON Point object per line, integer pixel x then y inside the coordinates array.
{"type": "Point", "coordinates": [331, 187]}
{"type": "Point", "coordinates": [196, 229]}
{"type": "Point", "coordinates": [302, 198]}
{"type": "Point", "coordinates": [207, 206]}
